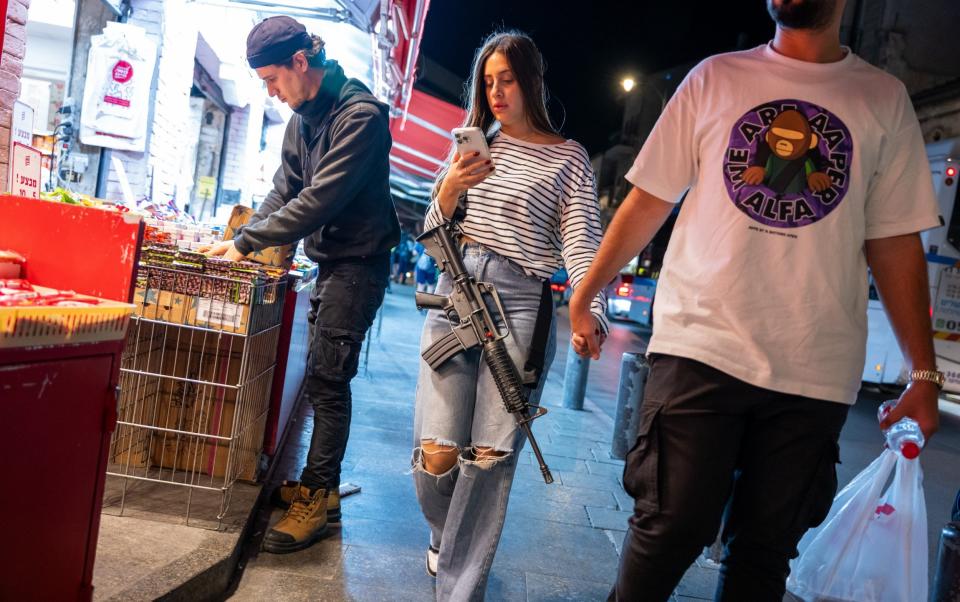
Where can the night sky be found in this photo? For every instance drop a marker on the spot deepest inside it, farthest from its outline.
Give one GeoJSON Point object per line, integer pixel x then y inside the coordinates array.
{"type": "Point", "coordinates": [589, 45]}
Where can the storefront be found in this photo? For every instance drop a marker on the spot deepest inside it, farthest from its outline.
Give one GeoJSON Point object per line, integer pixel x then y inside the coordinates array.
{"type": "Point", "coordinates": [209, 138]}
{"type": "Point", "coordinates": [153, 131]}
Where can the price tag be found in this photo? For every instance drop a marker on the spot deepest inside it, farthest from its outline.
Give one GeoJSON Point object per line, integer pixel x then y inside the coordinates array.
{"type": "Point", "coordinates": [25, 164]}
{"type": "Point", "coordinates": [206, 188]}
{"type": "Point", "coordinates": [21, 127]}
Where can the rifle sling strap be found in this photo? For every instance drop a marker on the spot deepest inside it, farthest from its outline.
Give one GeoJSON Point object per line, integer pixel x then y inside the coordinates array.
{"type": "Point", "coordinates": [533, 368]}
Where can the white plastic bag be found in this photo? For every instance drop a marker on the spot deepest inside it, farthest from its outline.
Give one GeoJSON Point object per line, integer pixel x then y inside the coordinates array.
{"type": "Point", "coordinates": [116, 96]}
{"type": "Point", "coordinates": [872, 547]}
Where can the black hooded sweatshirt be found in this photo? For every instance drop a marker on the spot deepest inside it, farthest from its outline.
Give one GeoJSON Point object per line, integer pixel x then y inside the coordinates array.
{"type": "Point", "coordinates": [332, 188]}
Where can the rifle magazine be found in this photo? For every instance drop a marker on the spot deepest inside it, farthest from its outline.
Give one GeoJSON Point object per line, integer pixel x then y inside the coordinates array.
{"type": "Point", "coordinates": [437, 354]}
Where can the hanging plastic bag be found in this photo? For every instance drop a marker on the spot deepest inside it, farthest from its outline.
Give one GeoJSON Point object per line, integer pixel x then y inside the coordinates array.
{"type": "Point", "coordinates": [116, 96]}
{"type": "Point", "coordinates": [873, 545]}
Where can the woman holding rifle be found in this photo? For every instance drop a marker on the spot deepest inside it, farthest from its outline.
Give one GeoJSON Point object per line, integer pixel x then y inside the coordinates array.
{"type": "Point", "coordinates": [529, 210]}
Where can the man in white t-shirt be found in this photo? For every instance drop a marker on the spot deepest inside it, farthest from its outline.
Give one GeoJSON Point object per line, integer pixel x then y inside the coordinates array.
{"type": "Point", "coordinates": [805, 165]}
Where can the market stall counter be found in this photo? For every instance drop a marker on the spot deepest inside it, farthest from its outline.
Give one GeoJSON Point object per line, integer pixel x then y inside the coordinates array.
{"type": "Point", "coordinates": [62, 321]}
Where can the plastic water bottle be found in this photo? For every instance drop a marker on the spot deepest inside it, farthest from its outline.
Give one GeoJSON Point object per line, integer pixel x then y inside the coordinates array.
{"type": "Point", "coordinates": [903, 436]}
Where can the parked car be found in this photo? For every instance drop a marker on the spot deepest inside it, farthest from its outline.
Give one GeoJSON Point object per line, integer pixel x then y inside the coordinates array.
{"type": "Point", "coordinates": [630, 298]}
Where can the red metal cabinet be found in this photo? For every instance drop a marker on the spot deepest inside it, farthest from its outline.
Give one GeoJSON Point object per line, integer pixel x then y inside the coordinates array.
{"type": "Point", "coordinates": [57, 403]}
{"type": "Point", "coordinates": [57, 410]}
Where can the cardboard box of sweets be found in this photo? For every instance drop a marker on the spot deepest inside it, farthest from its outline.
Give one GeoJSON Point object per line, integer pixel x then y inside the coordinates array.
{"type": "Point", "coordinates": [191, 310]}
{"type": "Point", "coordinates": [202, 412]}
{"type": "Point", "coordinates": [275, 256]}
{"type": "Point", "coordinates": [210, 292]}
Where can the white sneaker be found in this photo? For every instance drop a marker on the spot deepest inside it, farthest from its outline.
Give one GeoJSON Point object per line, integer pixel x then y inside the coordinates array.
{"type": "Point", "coordinates": [433, 558]}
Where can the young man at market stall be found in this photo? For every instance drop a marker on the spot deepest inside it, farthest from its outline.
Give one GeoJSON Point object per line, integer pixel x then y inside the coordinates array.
{"type": "Point", "coordinates": [331, 190]}
{"type": "Point", "coordinates": [804, 166]}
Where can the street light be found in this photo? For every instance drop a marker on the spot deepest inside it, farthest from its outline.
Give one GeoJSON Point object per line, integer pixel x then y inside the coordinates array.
{"type": "Point", "coordinates": [637, 90]}
{"type": "Point", "coordinates": [629, 84]}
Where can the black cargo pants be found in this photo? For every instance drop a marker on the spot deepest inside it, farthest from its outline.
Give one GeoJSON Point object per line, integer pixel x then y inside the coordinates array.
{"type": "Point", "coordinates": [706, 439]}
{"type": "Point", "coordinates": [344, 302]}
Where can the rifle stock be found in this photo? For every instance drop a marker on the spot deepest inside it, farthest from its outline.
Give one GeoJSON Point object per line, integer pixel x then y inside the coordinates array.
{"type": "Point", "coordinates": [430, 301]}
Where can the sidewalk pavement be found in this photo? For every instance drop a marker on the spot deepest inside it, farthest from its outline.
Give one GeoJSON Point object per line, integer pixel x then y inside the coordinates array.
{"type": "Point", "coordinates": [560, 541]}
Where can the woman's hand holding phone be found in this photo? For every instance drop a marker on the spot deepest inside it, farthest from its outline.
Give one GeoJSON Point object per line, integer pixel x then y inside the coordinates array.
{"type": "Point", "coordinates": [464, 174]}
{"type": "Point", "coordinates": [467, 172]}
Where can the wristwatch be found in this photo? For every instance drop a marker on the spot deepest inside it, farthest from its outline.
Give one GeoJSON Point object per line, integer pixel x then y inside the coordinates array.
{"type": "Point", "coordinates": [934, 376]}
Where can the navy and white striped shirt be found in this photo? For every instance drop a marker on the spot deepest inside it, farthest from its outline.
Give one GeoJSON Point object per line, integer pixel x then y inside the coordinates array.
{"type": "Point", "coordinates": [538, 208]}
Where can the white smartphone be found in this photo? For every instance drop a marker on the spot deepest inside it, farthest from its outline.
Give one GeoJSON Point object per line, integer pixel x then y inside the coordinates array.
{"type": "Point", "coordinates": [471, 140]}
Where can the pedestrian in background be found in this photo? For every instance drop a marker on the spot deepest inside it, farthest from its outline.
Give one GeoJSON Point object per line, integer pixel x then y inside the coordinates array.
{"type": "Point", "coordinates": [403, 254]}
{"type": "Point", "coordinates": [426, 271]}
{"type": "Point", "coordinates": [804, 166]}
{"type": "Point", "coordinates": [536, 211]}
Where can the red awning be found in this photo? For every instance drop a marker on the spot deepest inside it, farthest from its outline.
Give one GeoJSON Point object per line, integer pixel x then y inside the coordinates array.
{"type": "Point", "coordinates": [423, 144]}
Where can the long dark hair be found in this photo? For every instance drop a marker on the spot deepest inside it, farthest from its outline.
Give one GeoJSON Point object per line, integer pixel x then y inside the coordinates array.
{"type": "Point", "coordinates": [528, 67]}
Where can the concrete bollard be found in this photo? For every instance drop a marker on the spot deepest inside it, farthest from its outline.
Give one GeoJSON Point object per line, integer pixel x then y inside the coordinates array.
{"type": "Point", "coordinates": [633, 379]}
{"type": "Point", "coordinates": [575, 380]}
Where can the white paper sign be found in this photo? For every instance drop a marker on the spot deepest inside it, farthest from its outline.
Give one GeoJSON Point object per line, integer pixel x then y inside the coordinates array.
{"type": "Point", "coordinates": [25, 171]}
{"type": "Point", "coordinates": [116, 95]}
{"type": "Point", "coordinates": [21, 128]}
{"type": "Point", "coordinates": [219, 313]}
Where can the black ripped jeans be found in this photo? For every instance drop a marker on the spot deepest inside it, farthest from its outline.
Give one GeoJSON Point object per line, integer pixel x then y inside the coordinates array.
{"type": "Point", "coordinates": [709, 442]}
{"type": "Point", "coordinates": [345, 301]}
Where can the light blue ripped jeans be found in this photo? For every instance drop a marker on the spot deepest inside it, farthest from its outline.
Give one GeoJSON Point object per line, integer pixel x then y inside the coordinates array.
{"type": "Point", "coordinates": [459, 405]}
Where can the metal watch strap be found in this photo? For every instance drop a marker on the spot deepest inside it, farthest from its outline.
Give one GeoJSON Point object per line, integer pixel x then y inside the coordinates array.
{"type": "Point", "coordinates": [934, 376]}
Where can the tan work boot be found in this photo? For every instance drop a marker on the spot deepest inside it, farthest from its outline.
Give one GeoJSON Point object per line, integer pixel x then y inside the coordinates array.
{"type": "Point", "coordinates": [282, 495]}
{"type": "Point", "coordinates": [304, 522]}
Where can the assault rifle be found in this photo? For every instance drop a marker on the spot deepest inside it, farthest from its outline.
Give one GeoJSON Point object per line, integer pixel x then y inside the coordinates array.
{"type": "Point", "coordinates": [472, 326]}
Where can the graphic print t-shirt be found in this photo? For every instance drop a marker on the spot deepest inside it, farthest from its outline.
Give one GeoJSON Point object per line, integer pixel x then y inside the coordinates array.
{"type": "Point", "coordinates": [791, 166]}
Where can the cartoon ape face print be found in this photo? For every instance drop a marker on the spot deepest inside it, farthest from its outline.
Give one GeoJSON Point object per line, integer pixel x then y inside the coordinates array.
{"type": "Point", "coordinates": [790, 136]}
{"type": "Point", "coordinates": [788, 163]}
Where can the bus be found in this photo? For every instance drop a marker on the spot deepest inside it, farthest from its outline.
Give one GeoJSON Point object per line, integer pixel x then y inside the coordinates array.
{"type": "Point", "coordinates": [884, 363]}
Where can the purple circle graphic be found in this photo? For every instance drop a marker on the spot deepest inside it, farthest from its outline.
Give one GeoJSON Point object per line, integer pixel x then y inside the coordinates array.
{"type": "Point", "coordinates": [788, 163]}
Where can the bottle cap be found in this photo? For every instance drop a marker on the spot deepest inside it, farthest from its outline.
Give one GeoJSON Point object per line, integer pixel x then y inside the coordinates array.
{"type": "Point", "coordinates": [910, 450]}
